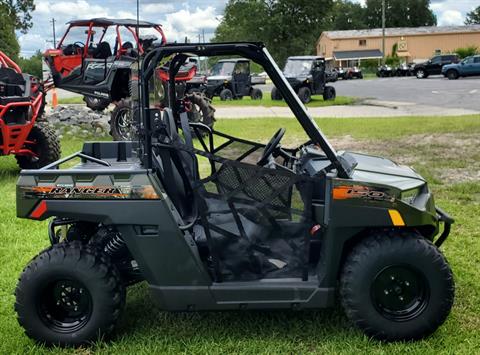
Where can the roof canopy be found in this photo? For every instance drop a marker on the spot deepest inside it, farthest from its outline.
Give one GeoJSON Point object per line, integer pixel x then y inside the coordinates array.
{"type": "Point", "coordinates": [111, 22]}
{"type": "Point", "coordinates": [363, 54]}
{"type": "Point", "coordinates": [305, 57]}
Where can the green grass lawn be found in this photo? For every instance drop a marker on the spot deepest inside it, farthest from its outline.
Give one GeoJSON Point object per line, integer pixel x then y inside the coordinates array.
{"type": "Point", "coordinates": [444, 149]}
{"type": "Point", "coordinates": [71, 100]}
{"type": "Point", "coordinates": [266, 101]}
{"type": "Point", "coordinates": [317, 101]}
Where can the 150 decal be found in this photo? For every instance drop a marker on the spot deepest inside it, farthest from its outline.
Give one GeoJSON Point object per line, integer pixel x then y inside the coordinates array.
{"type": "Point", "coordinates": [344, 192]}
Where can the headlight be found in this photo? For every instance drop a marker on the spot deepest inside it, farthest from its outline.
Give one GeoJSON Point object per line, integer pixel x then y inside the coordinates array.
{"type": "Point", "coordinates": [409, 196]}
{"type": "Point", "coordinates": [225, 81]}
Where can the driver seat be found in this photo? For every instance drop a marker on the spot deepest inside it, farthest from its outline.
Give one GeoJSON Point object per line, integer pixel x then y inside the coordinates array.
{"type": "Point", "coordinates": [103, 51]}
{"type": "Point", "coordinates": [177, 170]}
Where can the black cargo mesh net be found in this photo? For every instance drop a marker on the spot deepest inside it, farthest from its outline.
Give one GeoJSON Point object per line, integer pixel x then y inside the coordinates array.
{"type": "Point", "coordinates": [255, 220]}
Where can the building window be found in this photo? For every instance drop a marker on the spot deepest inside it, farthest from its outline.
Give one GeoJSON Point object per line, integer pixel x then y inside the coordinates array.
{"type": "Point", "coordinates": [362, 42]}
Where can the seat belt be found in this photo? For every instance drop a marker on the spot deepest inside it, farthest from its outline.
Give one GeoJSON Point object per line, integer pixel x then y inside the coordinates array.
{"type": "Point", "coordinates": [187, 134]}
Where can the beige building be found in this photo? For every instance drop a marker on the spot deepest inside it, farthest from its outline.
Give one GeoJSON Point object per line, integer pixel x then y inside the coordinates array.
{"type": "Point", "coordinates": [348, 48]}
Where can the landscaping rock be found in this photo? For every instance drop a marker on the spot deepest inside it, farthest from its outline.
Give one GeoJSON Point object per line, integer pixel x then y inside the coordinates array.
{"type": "Point", "coordinates": [78, 121]}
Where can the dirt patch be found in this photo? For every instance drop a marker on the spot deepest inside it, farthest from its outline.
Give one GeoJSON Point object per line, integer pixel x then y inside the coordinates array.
{"type": "Point", "coordinates": [448, 157]}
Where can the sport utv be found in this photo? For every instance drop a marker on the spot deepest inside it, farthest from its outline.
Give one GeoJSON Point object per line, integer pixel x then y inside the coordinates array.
{"type": "Point", "coordinates": [231, 79]}
{"type": "Point", "coordinates": [224, 223]}
{"type": "Point", "coordinates": [308, 76]}
{"type": "Point", "coordinates": [22, 102]}
{"type": "Point", "coordinates": [94, 59]}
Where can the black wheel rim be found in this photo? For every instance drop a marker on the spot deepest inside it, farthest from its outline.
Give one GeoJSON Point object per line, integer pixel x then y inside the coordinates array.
{"type": "Point", "coordinates": [124, 124]}
{"type": "Point", "coordinates": [65, 305]}
{"type": "Point", "coordinates": [400, 292]}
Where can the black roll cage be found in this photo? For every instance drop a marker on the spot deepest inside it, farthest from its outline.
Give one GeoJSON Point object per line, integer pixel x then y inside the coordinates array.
{"type": "Point", "coordinates": [253, 51]}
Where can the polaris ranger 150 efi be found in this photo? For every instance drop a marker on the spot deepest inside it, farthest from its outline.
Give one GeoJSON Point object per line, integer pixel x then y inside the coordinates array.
{"type": "Point", "coordinates": [230, 224]}
{"type": "Point", "coordinates": [307, 76]}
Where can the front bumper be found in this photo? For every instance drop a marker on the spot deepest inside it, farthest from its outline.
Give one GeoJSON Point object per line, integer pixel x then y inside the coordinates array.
{"type": "Point", "coordinates": [447, 223]}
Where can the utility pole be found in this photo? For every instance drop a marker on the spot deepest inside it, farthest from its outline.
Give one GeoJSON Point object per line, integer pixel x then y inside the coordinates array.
{"type": "Point", "coordinates": [383, 32]}
{"type": "Point", "coordinates": [53, 29]}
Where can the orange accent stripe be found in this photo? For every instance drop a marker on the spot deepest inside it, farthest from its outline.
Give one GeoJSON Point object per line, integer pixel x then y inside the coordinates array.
{"type": "Point", "coordinates": [39, 211]}
{"type": "Point", "coordinates": [341, 192]}
{"type": "Point", "coordinates": [396, 218]}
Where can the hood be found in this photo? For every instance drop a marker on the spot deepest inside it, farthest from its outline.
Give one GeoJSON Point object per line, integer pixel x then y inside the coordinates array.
{"type": "Point", "coordinates": [448, 66]}
{"type": "Point", "coordinates": [219, 77]}
{"type": "Point", "coordinates": [421, 64]}
{"type": "Point", "coordinates": [380, 170]}
{"type": "Point", "coordinates": [297, 78]}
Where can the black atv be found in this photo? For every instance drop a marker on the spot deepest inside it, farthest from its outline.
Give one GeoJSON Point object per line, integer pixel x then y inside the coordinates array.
{"type": "Point", "coordinates": [230, 224]}
{"type": "Point", "coordinates": [94, 59]}
{"type": "Point", "coordinates": [307, 76]}
{"type": "Point", "coordinates": [385, 71]}
{"type": "Point", "coordinates": [230, 79]}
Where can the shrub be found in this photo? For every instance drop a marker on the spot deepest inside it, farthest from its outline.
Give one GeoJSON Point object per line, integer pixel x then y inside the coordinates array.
{"type": "Point", "coordinates": [466, 51]}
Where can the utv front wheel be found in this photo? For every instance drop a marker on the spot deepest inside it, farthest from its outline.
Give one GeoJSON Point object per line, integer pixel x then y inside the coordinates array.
{"type": "Point", "coordinates": [69, 295]}
{"type": "Point", "coordinates": [275, 94]}
{"type": "Point", "coordinates": [305, 95]}
{"type": "Point", "coordinates": [44, 145]}
{"type": "Point", "coordinates": [396, 286]}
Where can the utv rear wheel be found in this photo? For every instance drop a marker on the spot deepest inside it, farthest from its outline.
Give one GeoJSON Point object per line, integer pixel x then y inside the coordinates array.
{"type": "Point", "coordinates": [43, 143]}
{"type": "Point", "coordinates": [226, 95]}
{"type": "Point", "coordinates": [95, 103]}
{"type": "Point", "coordinates": [396, 286]}
{"type": "Point", "coordinates": [69, 295]}
{"type": "Point", "coordinates": [305, 95]}
{"type": "Point", "coordinates": [275, 94]}
{"type": "Point", "coordinates": [329, 93]}
{"type": "Point", "coordinates": [256, 94]}
{"type": "Point", "coordinates": [121, 122]}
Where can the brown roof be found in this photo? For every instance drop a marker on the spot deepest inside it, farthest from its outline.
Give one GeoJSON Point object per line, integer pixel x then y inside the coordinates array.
{"type": "Point", "coordinates": [401, 31]}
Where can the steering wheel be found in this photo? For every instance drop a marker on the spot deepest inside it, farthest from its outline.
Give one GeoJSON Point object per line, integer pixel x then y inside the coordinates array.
{"type": "Point", "coordinates": [78, 48]}
{"type": "Point", "coordinates": [271, 147]}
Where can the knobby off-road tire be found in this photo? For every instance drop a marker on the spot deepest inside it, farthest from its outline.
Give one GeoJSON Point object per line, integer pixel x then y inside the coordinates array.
{"type": "Point", "coordinates": [275, 94]}
{"type": "Point", "coordinates": [256, 94]}
{"type": "Point", "coordinates": [63, 277]}
{"type": "Point", "coordinates": [45, 144]}
{"type": "Point", "coordinates": [305, 95]}
{"type": "Point", "coordinates": [202, 109]}
{"type": "Point", "coordinates": [95, 103]}
{"type": "Point", "coordinates": [329, 93]}
{"type": "Point", "coordinates": [396, 286]}
{"type": "Point", "coordinates": [226, 95]}
{"type": "Point", "coordinates": [121, 122]}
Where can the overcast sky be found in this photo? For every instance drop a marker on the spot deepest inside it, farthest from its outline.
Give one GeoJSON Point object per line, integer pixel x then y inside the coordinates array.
{"type": "Point", "coordinates": [179, 18]}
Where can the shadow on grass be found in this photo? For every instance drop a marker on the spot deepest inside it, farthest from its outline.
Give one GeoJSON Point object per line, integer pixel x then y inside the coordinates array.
{"type": "Point", "coordinates": [144, 319]}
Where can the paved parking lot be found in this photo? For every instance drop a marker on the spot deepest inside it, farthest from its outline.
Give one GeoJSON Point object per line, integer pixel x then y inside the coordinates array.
{"type": "Point", "coordinates": [436, 91]}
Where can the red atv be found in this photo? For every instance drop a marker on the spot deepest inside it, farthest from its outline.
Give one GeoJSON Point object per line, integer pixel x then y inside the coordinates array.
{"type": "Point", "coordinates": [94, 59]}
{"type": "Point", "coordinates": [22, 101]}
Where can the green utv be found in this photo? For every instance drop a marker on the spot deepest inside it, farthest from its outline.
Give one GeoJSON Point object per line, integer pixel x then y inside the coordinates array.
{"type": "Point", "coordinates": [229, 224]}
